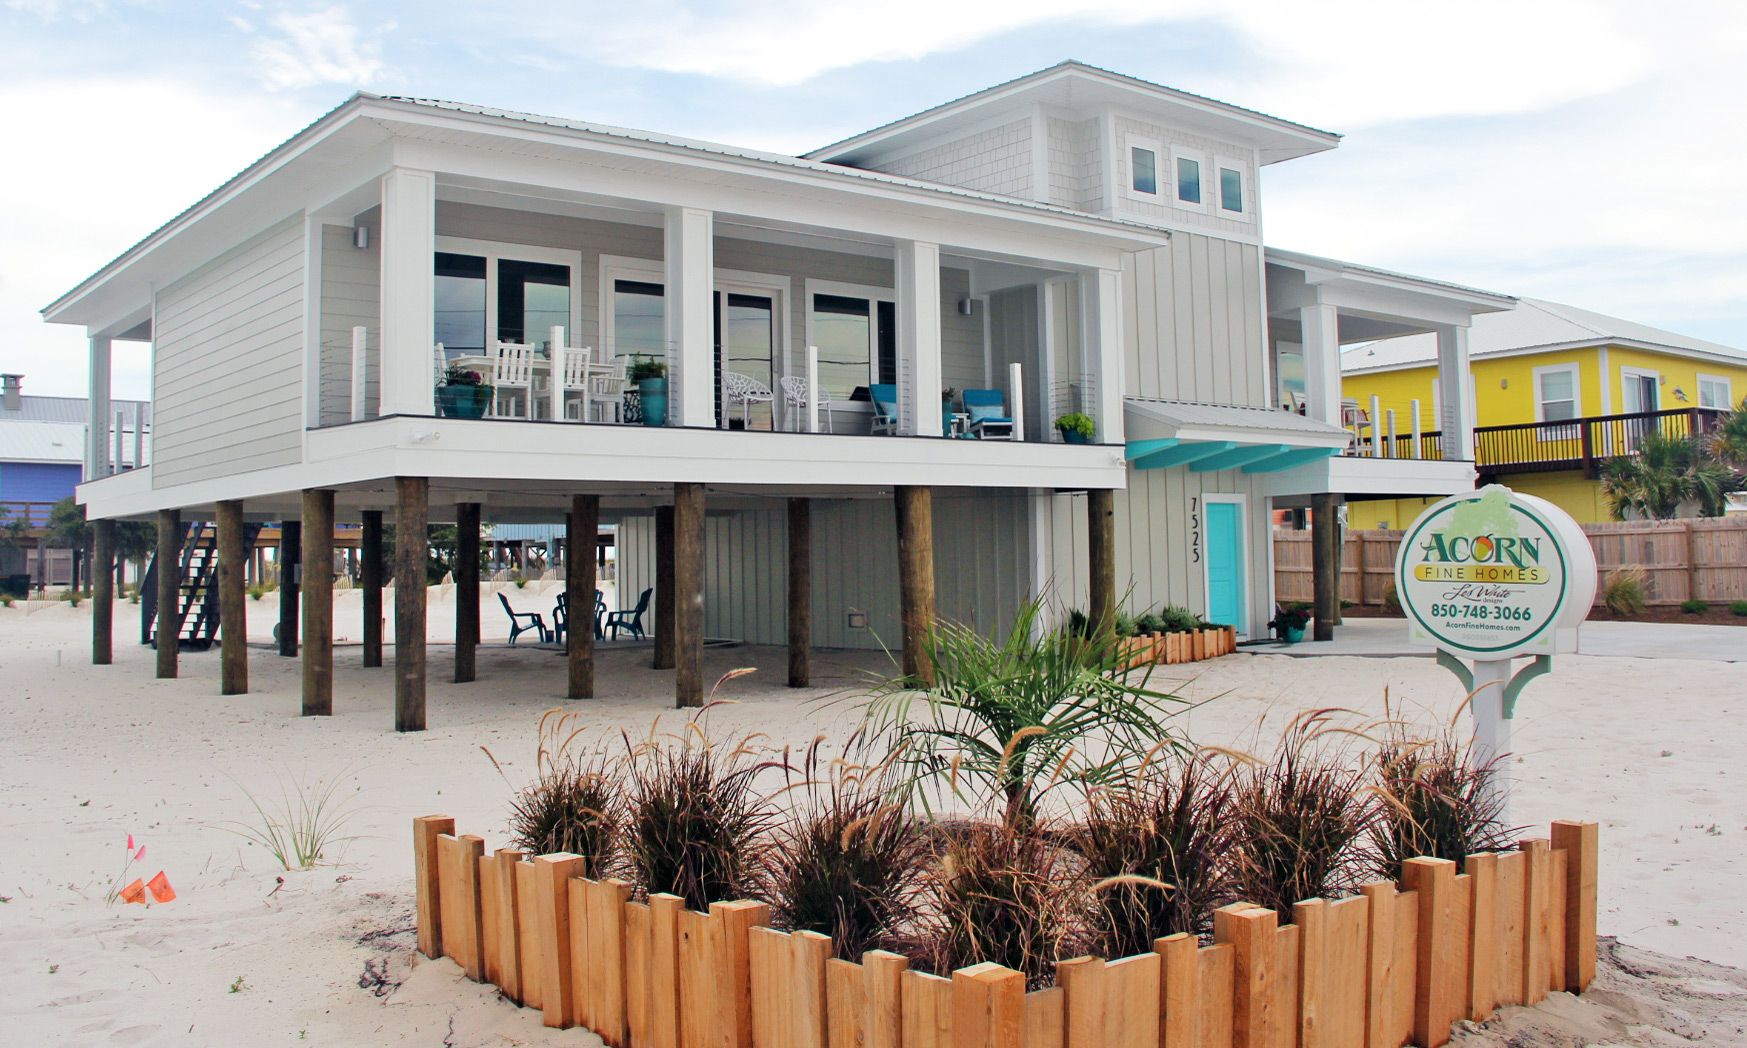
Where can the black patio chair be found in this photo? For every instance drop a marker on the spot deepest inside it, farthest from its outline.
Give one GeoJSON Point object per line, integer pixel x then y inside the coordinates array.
{"type": "Point", "coordinates": [533, 621]}
{"type": "Point", "coordinates": [631, 620]}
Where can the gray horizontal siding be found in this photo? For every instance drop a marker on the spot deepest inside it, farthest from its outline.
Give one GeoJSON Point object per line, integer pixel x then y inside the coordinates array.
{"type": "Point", "coordinates": [227, 362]}
{"type": "Point", "coordinates": [351, 296]}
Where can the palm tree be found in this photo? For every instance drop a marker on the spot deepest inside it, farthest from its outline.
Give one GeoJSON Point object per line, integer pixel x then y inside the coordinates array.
{"type": "Point", "coordinates": [1666, 472]}
{"type": "Point", "coordinates": [1727, 443]}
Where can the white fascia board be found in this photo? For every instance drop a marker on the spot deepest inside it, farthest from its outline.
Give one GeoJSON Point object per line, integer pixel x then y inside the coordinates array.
{"type": "Point", "coordinates": [541, 453]}
{"type": "Point", "coordinates": [784, 172]}
{"type": "Point", "coordinates": [952, 225]}
{"type": "Point", "coordinates": [1243, 435]}
{"type": "Point", "coordinates": [1561, 347]}
{"type": "Point", "coordinates": [1364, 475]}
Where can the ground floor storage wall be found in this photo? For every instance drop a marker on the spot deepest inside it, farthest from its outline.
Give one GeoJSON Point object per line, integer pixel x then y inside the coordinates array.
{"type": "Point", "coordinates": [1161, 542]}
{"type": "Point", "coordinates": [982, 560]}
{"type": "Point", "coordinates": [1570, 490]}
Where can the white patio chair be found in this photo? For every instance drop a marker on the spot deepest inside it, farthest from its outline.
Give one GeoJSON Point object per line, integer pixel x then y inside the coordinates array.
{"type": "Point", "coordinates": [795, 401]}
{"type": "Point", "coordinates": [606, 391]}
{"type": "Point", "coordinates": [570, 372]}
{"type": "Point", "coordinates": [745, 391]}
{"type": "Point", "coordinates": [512, 380]}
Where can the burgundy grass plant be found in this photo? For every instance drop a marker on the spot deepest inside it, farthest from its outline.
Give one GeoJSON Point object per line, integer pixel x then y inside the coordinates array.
{"type": "Point", "coordinates": [1434, 801]}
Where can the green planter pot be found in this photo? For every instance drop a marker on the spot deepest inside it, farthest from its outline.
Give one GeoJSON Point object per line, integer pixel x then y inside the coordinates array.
{"type": "Point", "coordinates": [463, 401]}
{"type": "Point", "coordinates": [653, 394]}
{"type": "Point", "coordinates": [1294, 634]}
{"type": "Point", "coordinates": [1074, 436]}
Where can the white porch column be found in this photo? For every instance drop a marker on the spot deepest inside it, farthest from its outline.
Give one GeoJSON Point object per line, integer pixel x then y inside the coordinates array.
{"type": "Point", "coordinates": [918, 287]}
{"type": "Point", "coordinates": [1101, 379]}
{"type": "Point", "coordinates": [409, 230]}
{"type": "Point", "coordinates": [100, 416]}
{"type": "Point", "coordinates": [689, 261]}
{"type": "Point", "coordinates": [1322, 362]}
{"type": "Point", "coordinates": [1455, 394]}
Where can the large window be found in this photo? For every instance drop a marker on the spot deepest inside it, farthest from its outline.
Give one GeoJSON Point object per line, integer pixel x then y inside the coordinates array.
{"type": "Point", "coordinates": [1188, 167]}
{"type": "Point", "coordinates": [1231, 189]}
{"type": "Point", "coordinates": [639, 319]}
{"type": "Point", "coordinates": [857, 340]}
{"type": "Point", "coordinates": [1556, 393]}
{"type": "Point", "coordinates": [487, 292]}
{"type": "Point", "coordinates": [1714, 392]}
{"type": "Point", "coordinates": [1143, 166]}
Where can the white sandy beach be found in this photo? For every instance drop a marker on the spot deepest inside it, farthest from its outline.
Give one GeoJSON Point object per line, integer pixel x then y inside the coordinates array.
{"type": "Point", "coordinates": [1649, 748]}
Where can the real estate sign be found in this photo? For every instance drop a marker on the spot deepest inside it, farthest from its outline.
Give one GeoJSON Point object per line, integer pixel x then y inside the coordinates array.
{"type": "Point", "coordinates": [1494, 573]}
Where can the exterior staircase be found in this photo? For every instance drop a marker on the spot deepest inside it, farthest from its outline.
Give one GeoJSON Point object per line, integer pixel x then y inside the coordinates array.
{"type": "Point", "coordinates": [197, 592]}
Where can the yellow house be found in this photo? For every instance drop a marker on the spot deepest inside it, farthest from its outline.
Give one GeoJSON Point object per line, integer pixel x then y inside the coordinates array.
{"type": "Point", "coordinates": [1557, 392]}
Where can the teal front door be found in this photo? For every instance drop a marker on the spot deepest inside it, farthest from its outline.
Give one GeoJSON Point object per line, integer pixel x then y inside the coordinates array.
{"type": "Point", "coordinates": [1225, 564]}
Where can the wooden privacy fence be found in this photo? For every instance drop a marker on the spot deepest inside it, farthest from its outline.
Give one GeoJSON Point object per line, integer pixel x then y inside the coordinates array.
{"type": "Point", "coordinates": [1704, 558]}
{"type": "Point", "coordinates": [1395, 965]}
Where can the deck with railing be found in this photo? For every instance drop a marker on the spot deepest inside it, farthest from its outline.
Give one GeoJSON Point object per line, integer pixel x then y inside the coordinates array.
{"type": "Point", "coordinates": [1584, 444]}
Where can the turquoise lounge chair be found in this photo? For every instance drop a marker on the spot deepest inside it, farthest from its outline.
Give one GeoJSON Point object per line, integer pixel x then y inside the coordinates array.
{"type": "Point", "coordinates": [885, 407]}
{"type": "Point", "coordinates": [988, 411]}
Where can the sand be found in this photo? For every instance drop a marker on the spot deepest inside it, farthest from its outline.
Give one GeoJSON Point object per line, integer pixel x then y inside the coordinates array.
{"type": "Point", "coordinates": [249, 954]}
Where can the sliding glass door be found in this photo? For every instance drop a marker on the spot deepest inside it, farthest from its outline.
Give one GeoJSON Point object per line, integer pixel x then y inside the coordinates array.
{"type": "Point", "coordinates": [485, 293]}
{"type": "Point", "coordinates": [746, 345]}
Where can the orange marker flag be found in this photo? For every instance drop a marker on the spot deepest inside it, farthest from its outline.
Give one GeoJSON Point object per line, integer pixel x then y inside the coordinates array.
{"type": "Point", "coordinates": [160, 887]}
{"type": "Point", "coordinates": [135, 892]}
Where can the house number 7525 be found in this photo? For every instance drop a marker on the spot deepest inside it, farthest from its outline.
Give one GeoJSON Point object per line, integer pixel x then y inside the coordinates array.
{"type": "Point", "coordinates": [1195, 530]}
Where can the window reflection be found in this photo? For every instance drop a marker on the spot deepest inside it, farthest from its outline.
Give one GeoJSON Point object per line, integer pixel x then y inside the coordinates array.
{"type": "Point", "coordinates": [532, 297]}
{"type": "Point", "coordinates": [460, 303]}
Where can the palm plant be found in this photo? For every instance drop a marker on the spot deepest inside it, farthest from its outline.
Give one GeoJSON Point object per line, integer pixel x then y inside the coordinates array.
{"type": "Point", "coordinates": [1727, 442]}
{"type": "Point", "coordinates": [1666, 472]}
{"type": "Point", "coordinates": [1013, 717]}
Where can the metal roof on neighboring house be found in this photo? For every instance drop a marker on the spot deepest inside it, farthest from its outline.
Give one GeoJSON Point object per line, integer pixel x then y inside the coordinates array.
{"type": "Point", "coordinates": [1535, 324]}
{"type": "Point", "coordinates": [76, 410]}
{"type": "Point", "coordinates": [42, 442]}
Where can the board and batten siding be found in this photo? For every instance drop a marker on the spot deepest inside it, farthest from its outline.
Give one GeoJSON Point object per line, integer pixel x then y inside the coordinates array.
{"type": "Point", "coordinates": [1161, 544]}
{"type": "Point", "coordinates": [981, 567]}
{"type": "Point", "coordinates": [1192, 322]}
{"type": "Point", "coordinates": [351, 296]}
{"type": "Point", "coordinates": [227, 362]}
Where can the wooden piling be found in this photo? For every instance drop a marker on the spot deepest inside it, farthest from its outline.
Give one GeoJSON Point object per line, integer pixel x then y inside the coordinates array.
{"type": "Point", "coordinates": [411, 518]}
{"type": "Point", "coordinates": [169, 626]}
{"type": "Point", "coordinates": [290, 588]}
{"type": "Point", "coordinates": [688, 590]}
{"type": "Point", "coordinates": [318, 603]}
{"type": "Point", "coordinates": [800, 593]}
{"type": "Point", "coordinates": [233, 625]}
{"type": "Point", "coordinates": [102, 592]}
{"type": "Point", "coordinates": [664, 592]}
{"type": "Point", "coordinates": [915, 509]}
{"type": "Point", "coordinates": [466, 590]}
{"type": "Point", "coordinates": [581, 530]}
{"type": "Point", "coordinates": [371, 580]}
{"type": "Point", "coordinates": [1101, 556]}
{"type": "Point", "coordinates": [1325, 548]}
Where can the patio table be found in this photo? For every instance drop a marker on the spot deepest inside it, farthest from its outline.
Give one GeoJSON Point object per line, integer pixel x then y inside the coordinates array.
{"type": "Point", "coordinates": [542, 369]}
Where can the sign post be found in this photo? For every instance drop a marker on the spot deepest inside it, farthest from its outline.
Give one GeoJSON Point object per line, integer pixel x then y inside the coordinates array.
{"type": "Point", "coordinates": [1488, 576]}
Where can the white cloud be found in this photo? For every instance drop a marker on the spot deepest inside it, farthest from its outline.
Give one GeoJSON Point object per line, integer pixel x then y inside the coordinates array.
{"type": "Point", "coordinates": [321, 47]}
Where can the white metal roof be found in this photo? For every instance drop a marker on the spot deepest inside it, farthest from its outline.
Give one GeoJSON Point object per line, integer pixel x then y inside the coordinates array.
{"type": "Point", "coordinates": [75, 410]}
{"type": "Point", "coordinates": [1073, 85]}
{"type": "Point", "coordinates": [42, 442]}
{"type": "Point", "coordinates": [1149, 418]}
{"type": "Point", "coordinates": [1535, 325]}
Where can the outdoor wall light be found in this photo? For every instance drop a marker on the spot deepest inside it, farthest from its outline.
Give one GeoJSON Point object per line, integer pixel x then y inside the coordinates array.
{"type": "Point", "coordinates": [857, 620]}
{"type": "Point", "coordinates": [361, 237]}
{"type": "Point", "coordinates": [1504, 383]}
{"type": "Point", "coordinates": [967, 305]}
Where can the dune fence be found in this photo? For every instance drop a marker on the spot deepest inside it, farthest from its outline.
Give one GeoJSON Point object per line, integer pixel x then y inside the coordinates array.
{"type": "Point", "coordinates": [1392, 966]}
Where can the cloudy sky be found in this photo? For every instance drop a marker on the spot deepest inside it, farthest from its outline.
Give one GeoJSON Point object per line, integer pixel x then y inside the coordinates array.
{"type": "Point", "coordinates": [1588, 151]}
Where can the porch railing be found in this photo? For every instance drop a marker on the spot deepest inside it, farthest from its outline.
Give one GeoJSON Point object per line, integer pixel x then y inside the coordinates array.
{"type": "Point", "coordinates": [1542, 447]}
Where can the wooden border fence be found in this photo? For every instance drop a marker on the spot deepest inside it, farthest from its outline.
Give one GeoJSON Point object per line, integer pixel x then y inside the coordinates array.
{"type": "Point", "coordinates": [1706, 558]}
{"type": "Point", "coordinates": [1395, 965]}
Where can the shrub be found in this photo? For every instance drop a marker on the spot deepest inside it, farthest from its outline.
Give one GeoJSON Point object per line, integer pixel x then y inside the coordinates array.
{"type": "Point", "coordinates": [1623, 592]}
{"type": "Point", "coordinates": [256, 591]}
{"type": "Point", "coordinates": [1298, 818]}
{"type": "Point", "coordinates": [1007, 895]}
{"type": "Point", "coordinates": [1695, 606]}
{"type": "Point", "coordinates": [1178, 620]}
{"type": "Point", "coordinates": [72, 597]}
{"type": "Point", "coordinates": [1391, 600]}
{"type": "Point", "coordinates": [519, 579]}
{"type": "Point", "coordinates": [5, 601]}
{"type": "Point", "coordinates": [1739, 608]}
{"type": "Point", "coordinates": [642, 369]}
{"type": "Point", "coordinates": [1018, 715]}
{"type": "Point", "coordinates": [848, 862]}
{"type": "Point", "coordinates": [1434, 802]}
{"type": "Point", "coordinates": [302, 831]}
{"type": "Point", "coordinates": [1156, 846]}
{"type": "Point", "coordinates": [693, 824]}
{"type": "Point", "coordinates": [1150, 622]}
{"type": "Point", "coordinates": [1077, 423]}
{"type": "Point", "coordinates": [572, 805]}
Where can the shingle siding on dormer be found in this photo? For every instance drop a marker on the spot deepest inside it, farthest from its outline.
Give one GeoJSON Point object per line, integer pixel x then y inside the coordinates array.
{"type": "Point", "coordinates": [995, 160]}
{"type": "Point", "coordinates": [1075, 174]}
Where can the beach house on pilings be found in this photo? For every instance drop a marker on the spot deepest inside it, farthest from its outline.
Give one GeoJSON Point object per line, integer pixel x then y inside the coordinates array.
{"type": "Point", "coordinates": [866, 352]}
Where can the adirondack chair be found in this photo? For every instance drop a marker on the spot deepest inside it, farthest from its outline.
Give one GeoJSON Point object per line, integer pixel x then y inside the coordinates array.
{"type": "Point", "coordinates": [632, 620]}
{"type": "Point", "coordinates": [561, 617]}
{"type": "Point", "coordinates": [988, 411]}
{"type": "Point", "coordinates": [885, 406]}
{"type": "Point", "coordinates": [523, 621]}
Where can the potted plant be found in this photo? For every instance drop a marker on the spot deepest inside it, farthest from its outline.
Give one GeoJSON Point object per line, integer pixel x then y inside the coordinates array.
{"type": "Point", "coordinates": [463, 393]}
{"type": "Point", "coordinates": [650, 377]}
{"type": "Point", "coordinates": [1290, 622]}
{"type": "Point", "coordinates": [1075, 427]}
{"type": "Point", "coordinates": [947, 396]}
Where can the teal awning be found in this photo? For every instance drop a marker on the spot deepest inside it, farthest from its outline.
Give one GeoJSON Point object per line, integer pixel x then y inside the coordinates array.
{"type": "Point", "coordinates": [1211, 437]}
